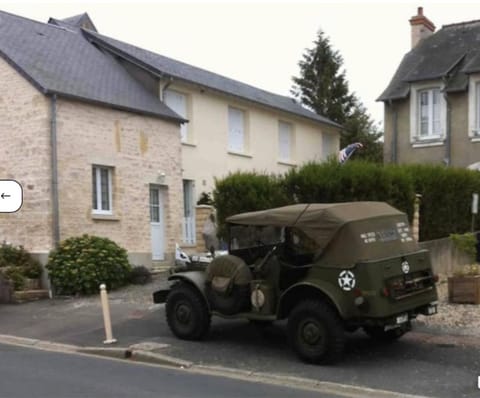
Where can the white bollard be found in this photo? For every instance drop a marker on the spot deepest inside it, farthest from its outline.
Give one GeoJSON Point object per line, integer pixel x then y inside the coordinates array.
{"type": "Point", "coordinates": [106, 315]}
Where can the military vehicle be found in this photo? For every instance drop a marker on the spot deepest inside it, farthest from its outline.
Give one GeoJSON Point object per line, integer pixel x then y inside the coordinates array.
{"type": "Point", "coordinates": [325, 268]}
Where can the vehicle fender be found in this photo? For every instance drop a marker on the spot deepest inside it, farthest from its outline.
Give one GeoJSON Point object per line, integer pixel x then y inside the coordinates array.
{"type": "Point", "coordinates": [308, 289]}
{"type": "Point", "coordinates": [194, 278]}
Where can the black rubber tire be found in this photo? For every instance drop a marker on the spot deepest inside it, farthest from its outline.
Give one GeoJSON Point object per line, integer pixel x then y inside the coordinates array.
{"type": "Point", "coordinates": [317, 321]}
{"type": "Point", "coordinates": [377, 333]}
{"type": "Point", "coordinates": [187, 312]}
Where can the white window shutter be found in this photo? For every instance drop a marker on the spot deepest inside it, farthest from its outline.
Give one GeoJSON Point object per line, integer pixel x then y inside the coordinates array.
{"type": "Point", "coordinates": [236, 131]}
{"type": "Point", "coordinates": [178, 103]}
{"type": "Point", "coordinates": [284, 140]}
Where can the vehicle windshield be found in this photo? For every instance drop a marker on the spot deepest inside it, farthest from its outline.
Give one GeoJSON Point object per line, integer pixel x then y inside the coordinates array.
{"type": "Point", "coordinates": [248, 236]}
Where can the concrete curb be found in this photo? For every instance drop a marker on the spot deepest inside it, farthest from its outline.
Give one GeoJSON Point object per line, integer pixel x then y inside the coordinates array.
{"type": "Point", "coordinates": [34, 343]}
{"type": "Point", "coordinates": [343, 390]}
{"type": "Point", "coordinates": [142, 356]}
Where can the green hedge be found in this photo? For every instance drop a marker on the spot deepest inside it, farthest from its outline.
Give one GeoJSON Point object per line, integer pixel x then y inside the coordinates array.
{"type": "Point", "coordinates": [355, 181]}
{"type": "Point", "coordinates": [242, 192]}
{"type": "Point", "coordinates": [446, 192]}
{"type": "Point", "coordinates": [446, 199]}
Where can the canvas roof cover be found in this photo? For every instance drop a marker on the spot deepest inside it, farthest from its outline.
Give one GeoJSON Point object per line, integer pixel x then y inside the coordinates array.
{"type": "Point", "coordinates": [320, 221]}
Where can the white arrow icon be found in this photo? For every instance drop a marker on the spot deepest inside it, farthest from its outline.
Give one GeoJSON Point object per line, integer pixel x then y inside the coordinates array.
{"type": "Point", "coordinates": [11, 196]}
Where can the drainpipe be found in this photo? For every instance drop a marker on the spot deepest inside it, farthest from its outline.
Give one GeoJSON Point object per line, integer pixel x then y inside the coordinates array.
{"type": "Point", "coordinates": [54, 163]}
{"type": "Point", "coordinates": [164, 87]}
{"type": "Point", "coordinates": [395, 132]}
{"type": "Point", "coordinates": [448, 141]}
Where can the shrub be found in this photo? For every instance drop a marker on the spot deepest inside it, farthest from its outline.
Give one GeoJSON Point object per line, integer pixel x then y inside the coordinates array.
{"type": "Point", "coordinates": [81, 264]}
{"type": "Point", "coordinates": [241, 192]}
{"type": "Point", "coordinates": [446, 199]}
{"type": "Point", "coordinates": [445, 203]}
{"type": "Point", "coordinates": [15, 276]}
{"type": "Point", "coordinates": [205, 199]}
{"type": "Point", "coordinates": [354, 181]}
{"type": "Point", "coordinates": [140, 275]}
{"type": "Point", "coordinates": [15, 256]}
{"type": "Point", "coordinates": [18, 264]}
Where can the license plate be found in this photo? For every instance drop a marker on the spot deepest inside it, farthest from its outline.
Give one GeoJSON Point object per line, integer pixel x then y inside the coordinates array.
{"type": "Point", "coordinates": [402, 318]}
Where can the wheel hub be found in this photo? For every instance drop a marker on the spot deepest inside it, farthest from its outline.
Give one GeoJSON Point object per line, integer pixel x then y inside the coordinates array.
{"type": "Point", "coordinates": [183, 313]}
{"type": "Point", "coordinates": [311, 333]}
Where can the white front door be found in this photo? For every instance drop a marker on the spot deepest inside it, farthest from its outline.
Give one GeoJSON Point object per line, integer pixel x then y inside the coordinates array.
{"type": "Point", "coordinates": [157, 223]}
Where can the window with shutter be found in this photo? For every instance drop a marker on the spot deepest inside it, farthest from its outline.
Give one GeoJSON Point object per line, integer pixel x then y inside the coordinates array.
{"type": "Point", "coordinates": [285, 141]}
{"type": "Point", "coordinates": [236, 130]}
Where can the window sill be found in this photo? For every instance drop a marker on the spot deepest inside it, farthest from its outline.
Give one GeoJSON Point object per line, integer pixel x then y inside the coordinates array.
{"type": "Point", "coordinates": [191, 144]}
{"type": "Point", "coordinates": [287, 163]}
{"type": "Point", "coordinates": [243, 155]}
{"type": "Point", "coordinates": [105, 217]}
{"type": "Point", "coordinates": [475, 139]}
{"type": "Point", "coordinates": [427, 144]}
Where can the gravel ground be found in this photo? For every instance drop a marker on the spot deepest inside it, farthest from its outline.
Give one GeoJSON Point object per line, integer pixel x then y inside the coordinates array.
{"type": "Point", "coordinates": [458, 319]}
{"type": "Point", "coordinates": [461, 319]}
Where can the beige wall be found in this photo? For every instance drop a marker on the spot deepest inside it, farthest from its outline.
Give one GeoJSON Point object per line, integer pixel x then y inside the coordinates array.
{"type": "Point", "coordinates": [463, 151]}
{"type": "Point", "coordinates": [25, 157]}
{"type": "Point", "coordinates": [139, 148]}
{"type": "Point", "coordinates": [206, 155]}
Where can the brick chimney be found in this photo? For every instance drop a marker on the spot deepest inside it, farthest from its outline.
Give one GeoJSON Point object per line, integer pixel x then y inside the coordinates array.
{"type": "Point", "coordinates": [422, 27]}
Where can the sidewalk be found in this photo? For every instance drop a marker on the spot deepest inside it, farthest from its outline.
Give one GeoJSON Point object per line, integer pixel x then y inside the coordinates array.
{"type": "Point", "coordinates": [79, 321]}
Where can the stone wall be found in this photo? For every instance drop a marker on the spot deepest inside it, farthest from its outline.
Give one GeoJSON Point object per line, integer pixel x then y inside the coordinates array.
{"type": "Point", "coordinates": [445, 257]}
{"type": "Point", "coordinates": [25, 157]}
{"type": "Point", "coordinates": [139, 149]}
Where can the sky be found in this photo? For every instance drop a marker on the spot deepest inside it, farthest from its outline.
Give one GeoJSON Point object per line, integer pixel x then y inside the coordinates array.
{"type": "Point", "coordinates": [261, 42]}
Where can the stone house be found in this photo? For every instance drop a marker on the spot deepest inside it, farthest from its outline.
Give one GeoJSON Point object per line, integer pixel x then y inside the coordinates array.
{"type": "Point", "coordinates": [432, 104]}
{"type": "Point", "coordinates": [110, 139]}
{"type": "Point", "coordinates": [95, 151]}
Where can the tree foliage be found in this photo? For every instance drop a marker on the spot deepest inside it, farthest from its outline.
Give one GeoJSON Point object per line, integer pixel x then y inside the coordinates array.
{"type": "Point", "coordinates": [322, 87]}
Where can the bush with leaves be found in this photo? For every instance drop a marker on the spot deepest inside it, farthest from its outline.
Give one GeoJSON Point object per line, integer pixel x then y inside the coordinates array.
{"type": "Point", "coordinates": [241, 192]}
{"type": "Point", "coordinates": [17, 264]}
{"type": "Point", "coordinates": [140, 275]}
{"type": "Point", "coordinates": [81, 264]}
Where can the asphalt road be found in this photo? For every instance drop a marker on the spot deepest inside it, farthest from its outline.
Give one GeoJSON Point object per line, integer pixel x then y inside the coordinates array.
{"type": "Point", "coordinates": [27, 372]}
{"type": "Point", "coordinates": [425, 364]}
{"type": "Point", "coordinates": [416, 364]}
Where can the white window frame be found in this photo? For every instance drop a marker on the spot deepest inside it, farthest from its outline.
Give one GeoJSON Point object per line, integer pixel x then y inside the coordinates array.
{"type": "Point", "coordinates": [415, 113]}
{"type": "Point", "coordinates": [98, 189]}
{"type": "Point", "coordinates": [285, 137]}
{"type": "Point", "coordinates": [474, 107]}
{"type": "Point", "coordinates": [183, 112]}
{"type": "Point", "coordinates": [234, 144]}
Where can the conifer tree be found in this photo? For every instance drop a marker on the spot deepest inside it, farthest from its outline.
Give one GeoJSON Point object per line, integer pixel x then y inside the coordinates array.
{"type": "Point", "coordinates": [323, 88]}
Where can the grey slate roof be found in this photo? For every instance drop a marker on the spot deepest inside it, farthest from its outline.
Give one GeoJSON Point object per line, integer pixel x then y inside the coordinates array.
{"type": "Point", "coordinates": [79, 21]}
{"type": "Point", "coordinates": [179, 70]}
{"type": "Point", "coordinates": [59, 60]}
{"type": "Point", "coordinates": [452, 53]}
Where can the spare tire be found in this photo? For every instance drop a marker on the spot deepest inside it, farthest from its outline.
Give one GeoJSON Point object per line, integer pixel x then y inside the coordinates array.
{"type": "Point", "coordinates": [228, 284]}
